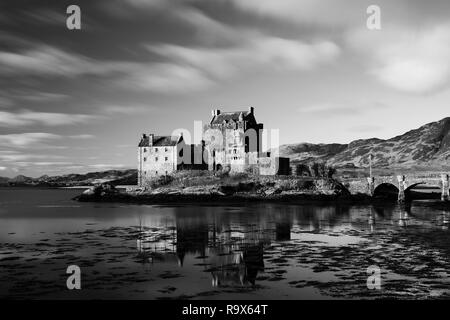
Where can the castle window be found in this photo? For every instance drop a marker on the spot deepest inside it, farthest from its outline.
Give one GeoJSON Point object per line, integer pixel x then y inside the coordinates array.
{"type": "Point", "coordinates": [156, 159]}
{"type": "Point", "coordinates": [156, 149]}
{"type": "Point", "coordinates": [145, 149]}
{"type": "Point", "coordinates": [145, 159]}
{"type": "Point", "coordinates": [165, 149]}
{"type": "Point", "coordinates": [156, 172]}
{"type": "Point", "coordinates": [166, 159]}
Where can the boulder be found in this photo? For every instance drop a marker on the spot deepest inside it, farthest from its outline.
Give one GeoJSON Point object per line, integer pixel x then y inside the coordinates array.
{"type": "Point", "coordinates": [103, 189]}
{"type": "Point", "coordinates": [272, 191]}
{"type": "Point", "coordinates": [89, 191]}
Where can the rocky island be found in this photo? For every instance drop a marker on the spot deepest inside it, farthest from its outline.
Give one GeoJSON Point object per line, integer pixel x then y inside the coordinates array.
{"type": "Point", "coordinates": [204, 186]}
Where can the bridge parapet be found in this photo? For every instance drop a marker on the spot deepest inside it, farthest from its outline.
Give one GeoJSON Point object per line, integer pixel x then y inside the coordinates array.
{"type": "Point", "coordinates": [402, 182]}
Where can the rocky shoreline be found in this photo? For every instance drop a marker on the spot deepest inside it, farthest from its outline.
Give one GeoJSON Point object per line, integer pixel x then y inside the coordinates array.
{"type": "Point", "coordinates": [216, 198]}
{"type": "Point", "coordinates": [218, 194]}
{"type": "Point", "coordinates": [231, 195]}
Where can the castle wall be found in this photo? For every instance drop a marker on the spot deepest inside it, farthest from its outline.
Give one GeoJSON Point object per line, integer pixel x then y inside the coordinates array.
{"type": "Point", "coordinates": [273, 166]}
{"type": "Point", "coordinates": [237, 148]}
{"type": "Point", "coordinates": [156, 161]}
{"type": "Point", "coordinates": [232, 150]}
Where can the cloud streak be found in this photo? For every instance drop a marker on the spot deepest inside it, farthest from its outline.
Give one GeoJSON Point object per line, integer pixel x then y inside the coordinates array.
{"type": "Point", "coordinates": [27, 118]}
{"type": "Point", "coordinates": [26, 139]}
{"type": "Point", "coordinates": [407, 60]}
{"type": "Point", "coordinates": [35, 139]}
{"type": "Point", "coordinates": [17, 156]}
{"type": "Point", "coordinates": [208, 65]}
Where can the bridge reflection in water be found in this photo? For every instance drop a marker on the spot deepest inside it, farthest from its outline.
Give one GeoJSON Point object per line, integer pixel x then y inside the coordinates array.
{"type": "Point", "coordinates": [229, 243]}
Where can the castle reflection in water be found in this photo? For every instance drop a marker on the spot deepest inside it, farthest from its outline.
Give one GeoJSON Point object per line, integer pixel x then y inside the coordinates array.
{"type": "Point", "coordinates": [229, 243]}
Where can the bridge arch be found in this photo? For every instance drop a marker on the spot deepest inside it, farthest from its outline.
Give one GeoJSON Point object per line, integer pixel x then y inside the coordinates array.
{"type": "Point", "coordinates": [412, 186]}
{"type": "Point", "coordinates": [386, 190]}
{"type": "Point", "coordinates": [434, 190]}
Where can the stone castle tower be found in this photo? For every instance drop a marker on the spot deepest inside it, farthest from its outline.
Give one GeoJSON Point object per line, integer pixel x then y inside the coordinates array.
{"type": "Point", "coordinates": [240, 139]}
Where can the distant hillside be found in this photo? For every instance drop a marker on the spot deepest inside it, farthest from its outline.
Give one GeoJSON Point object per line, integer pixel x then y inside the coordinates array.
{"type": "Point", "coordinates": [426, 147]}
{"type": "Point", "coordinates": [117, 177]}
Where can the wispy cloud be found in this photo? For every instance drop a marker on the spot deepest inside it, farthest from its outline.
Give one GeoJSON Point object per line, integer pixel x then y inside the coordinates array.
{"type": "Point", "coordinates": [5, 102]}
{"type": "Point", "coordinates": [180, 68]}
{"type": "Point", "coordinates": [29, 164]}
{"type": "Point", "coordinates": [14, 156]}
{"type": "Point", "coordinates": [42, 96]}
{"type": "Point", "coordinates": [35, 139]}
{"type": "Point", "coordinates": [27, 139]}
{"type": "Point", "coordinates": [165, 78]}
{"type": "Point", "coordinates": [407, 60]}
{"type": "Point", "coordinates": [27, 117]}
{"type": "Point", "coordinates": [49, 60]}
{"type": "Point", "coordinates": [47, 16]}
{"type": "Point", "coordinates": [15, 97]}
{"type": "Point", "coordinates": [82, 136]}
{"type": "Point", "coordinates": [272, 52]}
{"type": "Point", "coordinates": [204, 66]}
{"type": "Point", "coordinates": [125, 109]}
{"type": "Point", "coordinates": [330, 110]}
{"type": "Point", "coordinates": [322, 13]}
{"type": "Point", "coordinates": [104, 166]}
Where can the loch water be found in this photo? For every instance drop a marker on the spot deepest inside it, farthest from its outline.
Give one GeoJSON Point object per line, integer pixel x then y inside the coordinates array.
{"type": "Point", "coordinates": [219, 251]}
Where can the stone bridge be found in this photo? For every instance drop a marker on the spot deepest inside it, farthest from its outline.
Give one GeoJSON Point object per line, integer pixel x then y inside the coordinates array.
{"type": "Point", "coordinates": [402, 183]}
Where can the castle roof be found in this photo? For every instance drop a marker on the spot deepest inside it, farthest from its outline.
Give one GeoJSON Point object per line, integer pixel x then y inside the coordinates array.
{"type": "Point", "coordinates": [227, 116]}
{"type": "Point", "coordinates": [159, 141]}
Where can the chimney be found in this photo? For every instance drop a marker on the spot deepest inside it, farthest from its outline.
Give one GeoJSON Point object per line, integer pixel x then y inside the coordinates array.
{"type": "Point", "coordinates": [150, 139]}
{"type": "Point", "coordinates": [215, 112]}
{"type": "Point", "coordinates": [251, 110]}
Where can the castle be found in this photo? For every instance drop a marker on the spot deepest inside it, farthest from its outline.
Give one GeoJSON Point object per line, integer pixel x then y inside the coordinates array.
{"type": "Point", "coordinates": [231, 141]}
{"type": "Point", "coordinates": [241, 137]}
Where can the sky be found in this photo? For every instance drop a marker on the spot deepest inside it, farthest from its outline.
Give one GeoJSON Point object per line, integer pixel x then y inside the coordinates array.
{"type": "Point", "coordinates": [74, 101]}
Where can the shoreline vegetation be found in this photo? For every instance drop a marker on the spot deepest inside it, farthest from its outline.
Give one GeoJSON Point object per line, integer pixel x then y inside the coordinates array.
{"type": "Point", "coordinates": [205, 186]}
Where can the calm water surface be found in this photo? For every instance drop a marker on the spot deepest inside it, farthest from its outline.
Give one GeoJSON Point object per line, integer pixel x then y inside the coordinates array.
{"type": "Point", "coordinates": [257, 251]}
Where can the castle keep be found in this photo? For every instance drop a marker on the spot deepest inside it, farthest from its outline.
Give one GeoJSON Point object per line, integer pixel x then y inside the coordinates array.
{"type": "Point", "coordinates": [231, 141]}
{"type": "Point", "coordinates": [240, 135]}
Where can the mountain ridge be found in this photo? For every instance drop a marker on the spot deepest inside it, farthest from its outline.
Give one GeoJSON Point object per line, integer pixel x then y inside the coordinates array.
{"type": "Point", "coordinates": [426, 146]}
{"type": "Point", "coordinates": [117, 177]}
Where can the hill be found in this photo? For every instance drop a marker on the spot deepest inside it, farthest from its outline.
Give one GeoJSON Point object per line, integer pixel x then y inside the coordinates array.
{"type": "Point", "coordinates": [424, 148]}
{"type": "Point", "coordinates": [117, 177]}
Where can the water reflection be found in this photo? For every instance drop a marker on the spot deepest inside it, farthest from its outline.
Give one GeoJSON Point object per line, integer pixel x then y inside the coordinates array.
{"type": "Point", "coordinates": [403, 219]}
{"type": "Point", "coordinates": [220, 251]}
{"type": "Point", "coordinates": [237, 268]}
{"type": "Point", "coordinates": [371, 220]}
{"type": "Point", "coordinates": [443, 220]}
{"type": "Point", "coordinates": [230, 244]}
